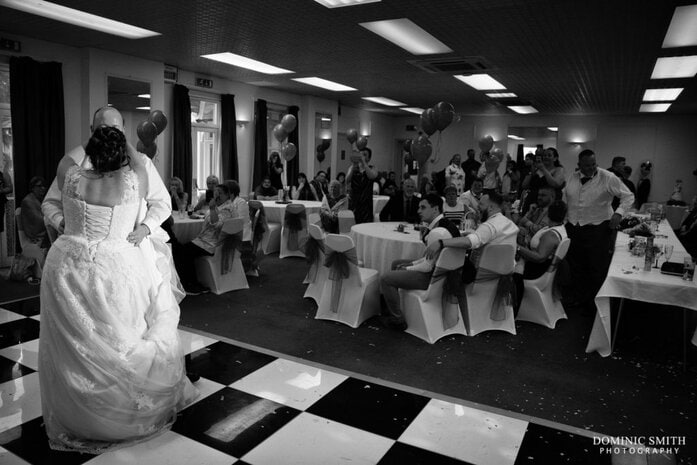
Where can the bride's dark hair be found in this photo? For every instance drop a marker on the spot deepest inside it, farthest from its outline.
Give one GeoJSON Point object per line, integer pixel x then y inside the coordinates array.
{"type": "Point", "coordinates": [107, 149]}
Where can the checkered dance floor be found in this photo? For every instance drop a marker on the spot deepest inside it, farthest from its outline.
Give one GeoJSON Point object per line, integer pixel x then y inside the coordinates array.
{"type": "Point", "coordinates": [261, 408]}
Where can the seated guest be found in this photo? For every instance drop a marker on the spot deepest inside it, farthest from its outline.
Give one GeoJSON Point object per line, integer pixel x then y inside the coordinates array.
{"type": "Point", "coordinates": [240, 208]}
{"type": "Point", "coordinates": [536, 255]}
{"type": "Point", "coordinates": [688, 230]}
{"type": "Point", "coordinates": [205, 198]}
{"type": "Point", "coordinates": [176, 192]}
{"type": "Point", "coordinates": [319, 185]}
{"type": "Point", "coordinates": [494, 229]}
{"type": "Point", "coordinates": [332, 204]}
{"type": "Point", "coordinates": [391, 182]}
{"type": "Point", "coordinates": [341, 177]}
{"type": "Point", "coordinates": [536, 218]}
{"type": "Point", "coordinates": [403, 206]}
{"type": "Point", "coordinates": [31, 217]}
{"type": "Point", "coordinates": [302, 190]}
{"type": "Point", "coordinates": [205, 243]}
{"type": "Point", "coordinates": [471, 198]}
{"type": "Point", "coordinates": [408, 274]}
{"type": "Point", "coordinates": [265, 191]}
{"type": "Point", "coordinates": [453, 208]}
{"type": "Point", "coordinates": [426, 186]}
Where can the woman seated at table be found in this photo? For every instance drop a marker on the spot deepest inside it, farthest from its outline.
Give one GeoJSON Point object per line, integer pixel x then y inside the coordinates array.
{"type": "Point", "coordinates": [206, 197]}
{"type": "Point", "coordinates": [333, 202]}
{"type": "Point", "coordinates": [180, 199]}
{"type": "Point", "coordinates": [302, 191]}
{"type": "Point", "coordinates": [536, 257]}
{"type": "Point", "coordinates": [221, 209]}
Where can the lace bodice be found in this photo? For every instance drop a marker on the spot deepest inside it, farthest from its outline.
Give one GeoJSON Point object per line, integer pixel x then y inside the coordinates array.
{"type": "Point", "coordinates": [97, 223]}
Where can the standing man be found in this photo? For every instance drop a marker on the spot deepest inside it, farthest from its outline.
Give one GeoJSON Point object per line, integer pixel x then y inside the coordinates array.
{"type": "Point", "coordinates": [360, 178]}
{"type": "Point", "coordinates": [408, 274]}
{"type": "Point", "coordinates": [592, 225]}
{"type": "Point", "coordinates": [470, 167]}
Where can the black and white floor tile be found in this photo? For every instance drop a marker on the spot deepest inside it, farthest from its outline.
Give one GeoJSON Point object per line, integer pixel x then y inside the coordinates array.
{"type": "Point", "coordinates": [257, 408]}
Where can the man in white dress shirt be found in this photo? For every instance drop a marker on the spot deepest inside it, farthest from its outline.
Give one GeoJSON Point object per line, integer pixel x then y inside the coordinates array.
{"type": "Point", "coordinates": [592, 225]}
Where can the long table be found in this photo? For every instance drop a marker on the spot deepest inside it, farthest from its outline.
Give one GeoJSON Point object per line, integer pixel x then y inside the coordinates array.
{"type": "Point", "coordinates": [627, 280]}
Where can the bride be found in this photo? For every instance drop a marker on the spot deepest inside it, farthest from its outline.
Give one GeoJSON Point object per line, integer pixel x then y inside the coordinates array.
{"type": "Point", "coordinates": [110, 366]}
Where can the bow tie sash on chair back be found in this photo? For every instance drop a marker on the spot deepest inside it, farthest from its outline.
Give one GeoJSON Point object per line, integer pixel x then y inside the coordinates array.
{"type": "Point", "coordinates": [223, 271]}
{"type": "Point", "coordinates": [453, 298]}
{"type": "Point", "coordinates": [314, 252]}
{"type": "Point", "coordinates": [233, 229]}
{"type": "Point", "coordinates": [339, 263]}
{"type": "Point", "coordinates": [295, 221]}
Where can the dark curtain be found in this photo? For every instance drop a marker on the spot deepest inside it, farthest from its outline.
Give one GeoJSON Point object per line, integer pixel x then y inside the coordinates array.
{"type": "Point", "coordinates": [38, 120]}
{"type": "Point", "coordinates": [293, 166]}
{"type": "Point", "coordinates": [261, 165]}
{"type": "Point", "coordinates": [228, 138]}
{"type": "Point", "coordinates": [181, 130]}
{"type": "Point", "coordinates": [520, 156]}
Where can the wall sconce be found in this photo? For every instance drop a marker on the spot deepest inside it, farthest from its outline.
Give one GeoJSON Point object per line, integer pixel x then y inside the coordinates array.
{"type": "Point", "coordinates": [242, 123]}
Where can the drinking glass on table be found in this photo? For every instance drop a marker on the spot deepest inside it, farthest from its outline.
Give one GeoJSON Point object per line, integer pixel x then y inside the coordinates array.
{"type": "Point", "coordinates": [668, 251]}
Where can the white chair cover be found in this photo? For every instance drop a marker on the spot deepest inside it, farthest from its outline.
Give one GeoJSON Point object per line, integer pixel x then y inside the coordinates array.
{"type": "Point", "coordinates": [351, 300]}
{"type": "Point", "coordinates": [538, 304]}
{"type": "Point", "coordinates": [286, 251]}
{"type": "Point", "coordinates": [317, 274]}
{"type": "Point", "coordinates": [208, 267]}
{"type": "Point", "coordinates": [499, 259]}
{"type": "Point", "coordinates": [423, 309]}
{"type": "Point", "coordinates": [346, 221]}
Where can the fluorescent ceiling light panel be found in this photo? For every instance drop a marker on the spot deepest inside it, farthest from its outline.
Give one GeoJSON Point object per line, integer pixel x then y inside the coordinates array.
{"type": "Point", "coordinates": [481, 82]}
{"type": "Point", "coordinates": [78, 18]}
{"type": "Point", "coordinates": [682, 31]}
{"type": "Point", "coordinates": [661, 95]}
{"type": "Point", "coordinates": [415, 110]}
{"type": "Point", "coordinates": [340, 3]}
{"type": "Point", "coordinates": [553, 128]}
{"type": "Point", "coordinates": [408, 35]}
{"type": "Point", "coordinates": [514, 137]}
{"type": "Point", "coordinates": [142, 108]}
{"type": "Point", "coordinates": [324, 118]}
{"type": "Point", "coordinates": [384, 101]}
{"type": "Point", "coordinates": [324, 84]}
{"type": "Point", "coordinates": [523, 109]}
{"type": "Point", "coordinates": [144, 95]}
{"type": "Point", "coordinates": [675, 67]}
{"type": "Point", "coordinates": [654, 107]}
{"type": "Point", "coordinates": [501, 95]}
{"type": "Point", "coordinates": [244, 62]}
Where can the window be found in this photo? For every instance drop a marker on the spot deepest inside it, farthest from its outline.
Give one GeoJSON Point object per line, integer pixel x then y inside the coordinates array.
{"type": "Point", "coordinates": [7, 245]}
{"type": "Point", "coordinates": [205, 139]}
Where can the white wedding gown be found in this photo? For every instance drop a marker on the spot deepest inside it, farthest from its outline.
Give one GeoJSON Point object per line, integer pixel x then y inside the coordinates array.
{"type": "Point", "coordinates": [110, 365]}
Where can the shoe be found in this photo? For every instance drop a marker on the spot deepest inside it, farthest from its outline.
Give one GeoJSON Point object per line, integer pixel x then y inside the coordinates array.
{"type": "Point", "coordinates": [395, 323]}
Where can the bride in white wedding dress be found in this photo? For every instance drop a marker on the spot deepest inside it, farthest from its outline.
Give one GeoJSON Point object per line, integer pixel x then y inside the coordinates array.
{"type": "Point", "coordinates": [110, 365]}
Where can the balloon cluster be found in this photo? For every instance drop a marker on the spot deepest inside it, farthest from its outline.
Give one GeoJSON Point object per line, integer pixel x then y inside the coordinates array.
{"type": "Point", "coordinates": [321, 148]}
{"type": "Point", "coordinates": [148, 131]}
{"type": "Point", "coordinates": [436, 118]}
{"type": "Point", "coordinates": [281, 131]}
{"type": "Point", "coordinates": [353, 137]}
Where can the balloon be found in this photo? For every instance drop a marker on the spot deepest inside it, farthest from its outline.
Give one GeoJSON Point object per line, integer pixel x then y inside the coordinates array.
{"type": "Point", "coordinates": [497, 153]}
{"type": "Point", "coordinates": [159, 119]}
{"type": "Point", "coordinates": [320, 156]}
{"type": "Point", "coordinates": [288, 151]}
{"type": "Point", "coordinates": [486, 142]}
{"type": "Point", "coordinates": [428, 121]}
{"type": "Point", "coordinates": [407, 145]}
{"type": "Point", "coordinates": [148, 149]}
{"type": "Point", "coordinates": [289, 123]}
{"type": "Point", "coordinates": [325, 144]}
{"type": "Point", "coordinates": [362, 143]}
{"type": "Point", "coordinates": [421, 149]}
{"type": "Point", "coordinates": [279, 133]}
{"type": "Point", "coordinates": [444, 114]}
{"type": "Point", "coordinates": [147, 132]}
{"type": "Point", "coordinates": [351, 135]}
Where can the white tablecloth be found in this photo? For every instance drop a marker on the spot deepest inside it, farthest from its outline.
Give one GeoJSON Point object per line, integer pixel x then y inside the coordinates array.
{"type": "Point", "coordinates": [626, 279]}
{"type": "Point", "coordinates": [186, 229]}
{"type": "Point", "coordinates": [379, 202]}
{"type": "Point", "coordinates": [379, 244]}
{"type": "Point", "coordinates": [276, 211]}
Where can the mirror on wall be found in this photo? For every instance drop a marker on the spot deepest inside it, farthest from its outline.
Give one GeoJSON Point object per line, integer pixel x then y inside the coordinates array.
{"type": "Point", "coordinates": [132, 99]}
{"type": "Point", "coordinates": [529, 137]}
{"type": "Point", "coordinates": [323, 141]}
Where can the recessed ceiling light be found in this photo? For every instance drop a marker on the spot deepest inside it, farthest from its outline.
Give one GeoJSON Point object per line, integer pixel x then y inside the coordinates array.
{"type": "Point", "coordinates": [142, 108]}
{"type": "Point", "coordinates": [675, 67]}
{"type": "Point", "coordinates": [144, 95]}
{"type": "Point", "coordinates": [481, 82]}
{"type": "Point", "coordinates": [654, 107]}
{"type": "Point", "coordinates": [324, 118]}
{"type": "Point", "coordinates": [661, 95]}
{"type": "Point", "coordinates": [244, 62]}
{"type": "Point", "coordinates": [553, 128]}
{"type": "Point", "coordinates": [324, 84]}
{"type": "Point", "coordinates": [406, 34]}
{"type": "Point", "coordinates": [523, 109]}
{"type": "Point", "coordinates": [682, 31]}
{"type": "Point", "coordinates": [501, 95]}
{"type": "Point", "coordinates": [384, 101]}
{"type": "Point", "coordinates": [340, 3]}
{"type": "Point", "coordinates": [78, 18]}
{"type": "Point", "coordinates": [415, 110]}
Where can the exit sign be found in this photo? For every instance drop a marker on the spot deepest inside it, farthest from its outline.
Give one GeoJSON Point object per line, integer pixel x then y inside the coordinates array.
{"type": "Point", "coordinates": [200, 82]}
{"type": "Point", "coordinates": [11, 45]}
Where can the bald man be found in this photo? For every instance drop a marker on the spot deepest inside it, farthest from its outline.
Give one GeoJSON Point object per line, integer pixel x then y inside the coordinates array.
{"type": "Point", "coordinates": [156, 204]}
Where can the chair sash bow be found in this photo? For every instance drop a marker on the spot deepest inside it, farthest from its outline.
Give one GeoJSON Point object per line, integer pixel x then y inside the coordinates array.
{"type": "Point", "coordinates": [505, 292]}
{"type": "Point", "coordinates": [295, 223]}
{"type": "Point", "coordinates": [453, 293]}
{"type": "Point", "coordinates": [339, 269]}
{"type": "Point", "coordinates": [230, 245]}
{"type": "Point", "coordinates": [313, 250]}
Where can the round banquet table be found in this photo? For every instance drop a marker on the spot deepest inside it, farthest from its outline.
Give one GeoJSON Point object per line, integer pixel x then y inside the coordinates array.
{"type": "Point", "coordinates": [276, 211]}
{"type": "Point", "coordinates": [379, 244]}
{"type": "Point", "coordinates": [186, 229]}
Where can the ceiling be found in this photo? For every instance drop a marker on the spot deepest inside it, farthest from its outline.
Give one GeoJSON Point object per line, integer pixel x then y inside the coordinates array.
{"type": "Point", "coordinates": [562, 56]}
